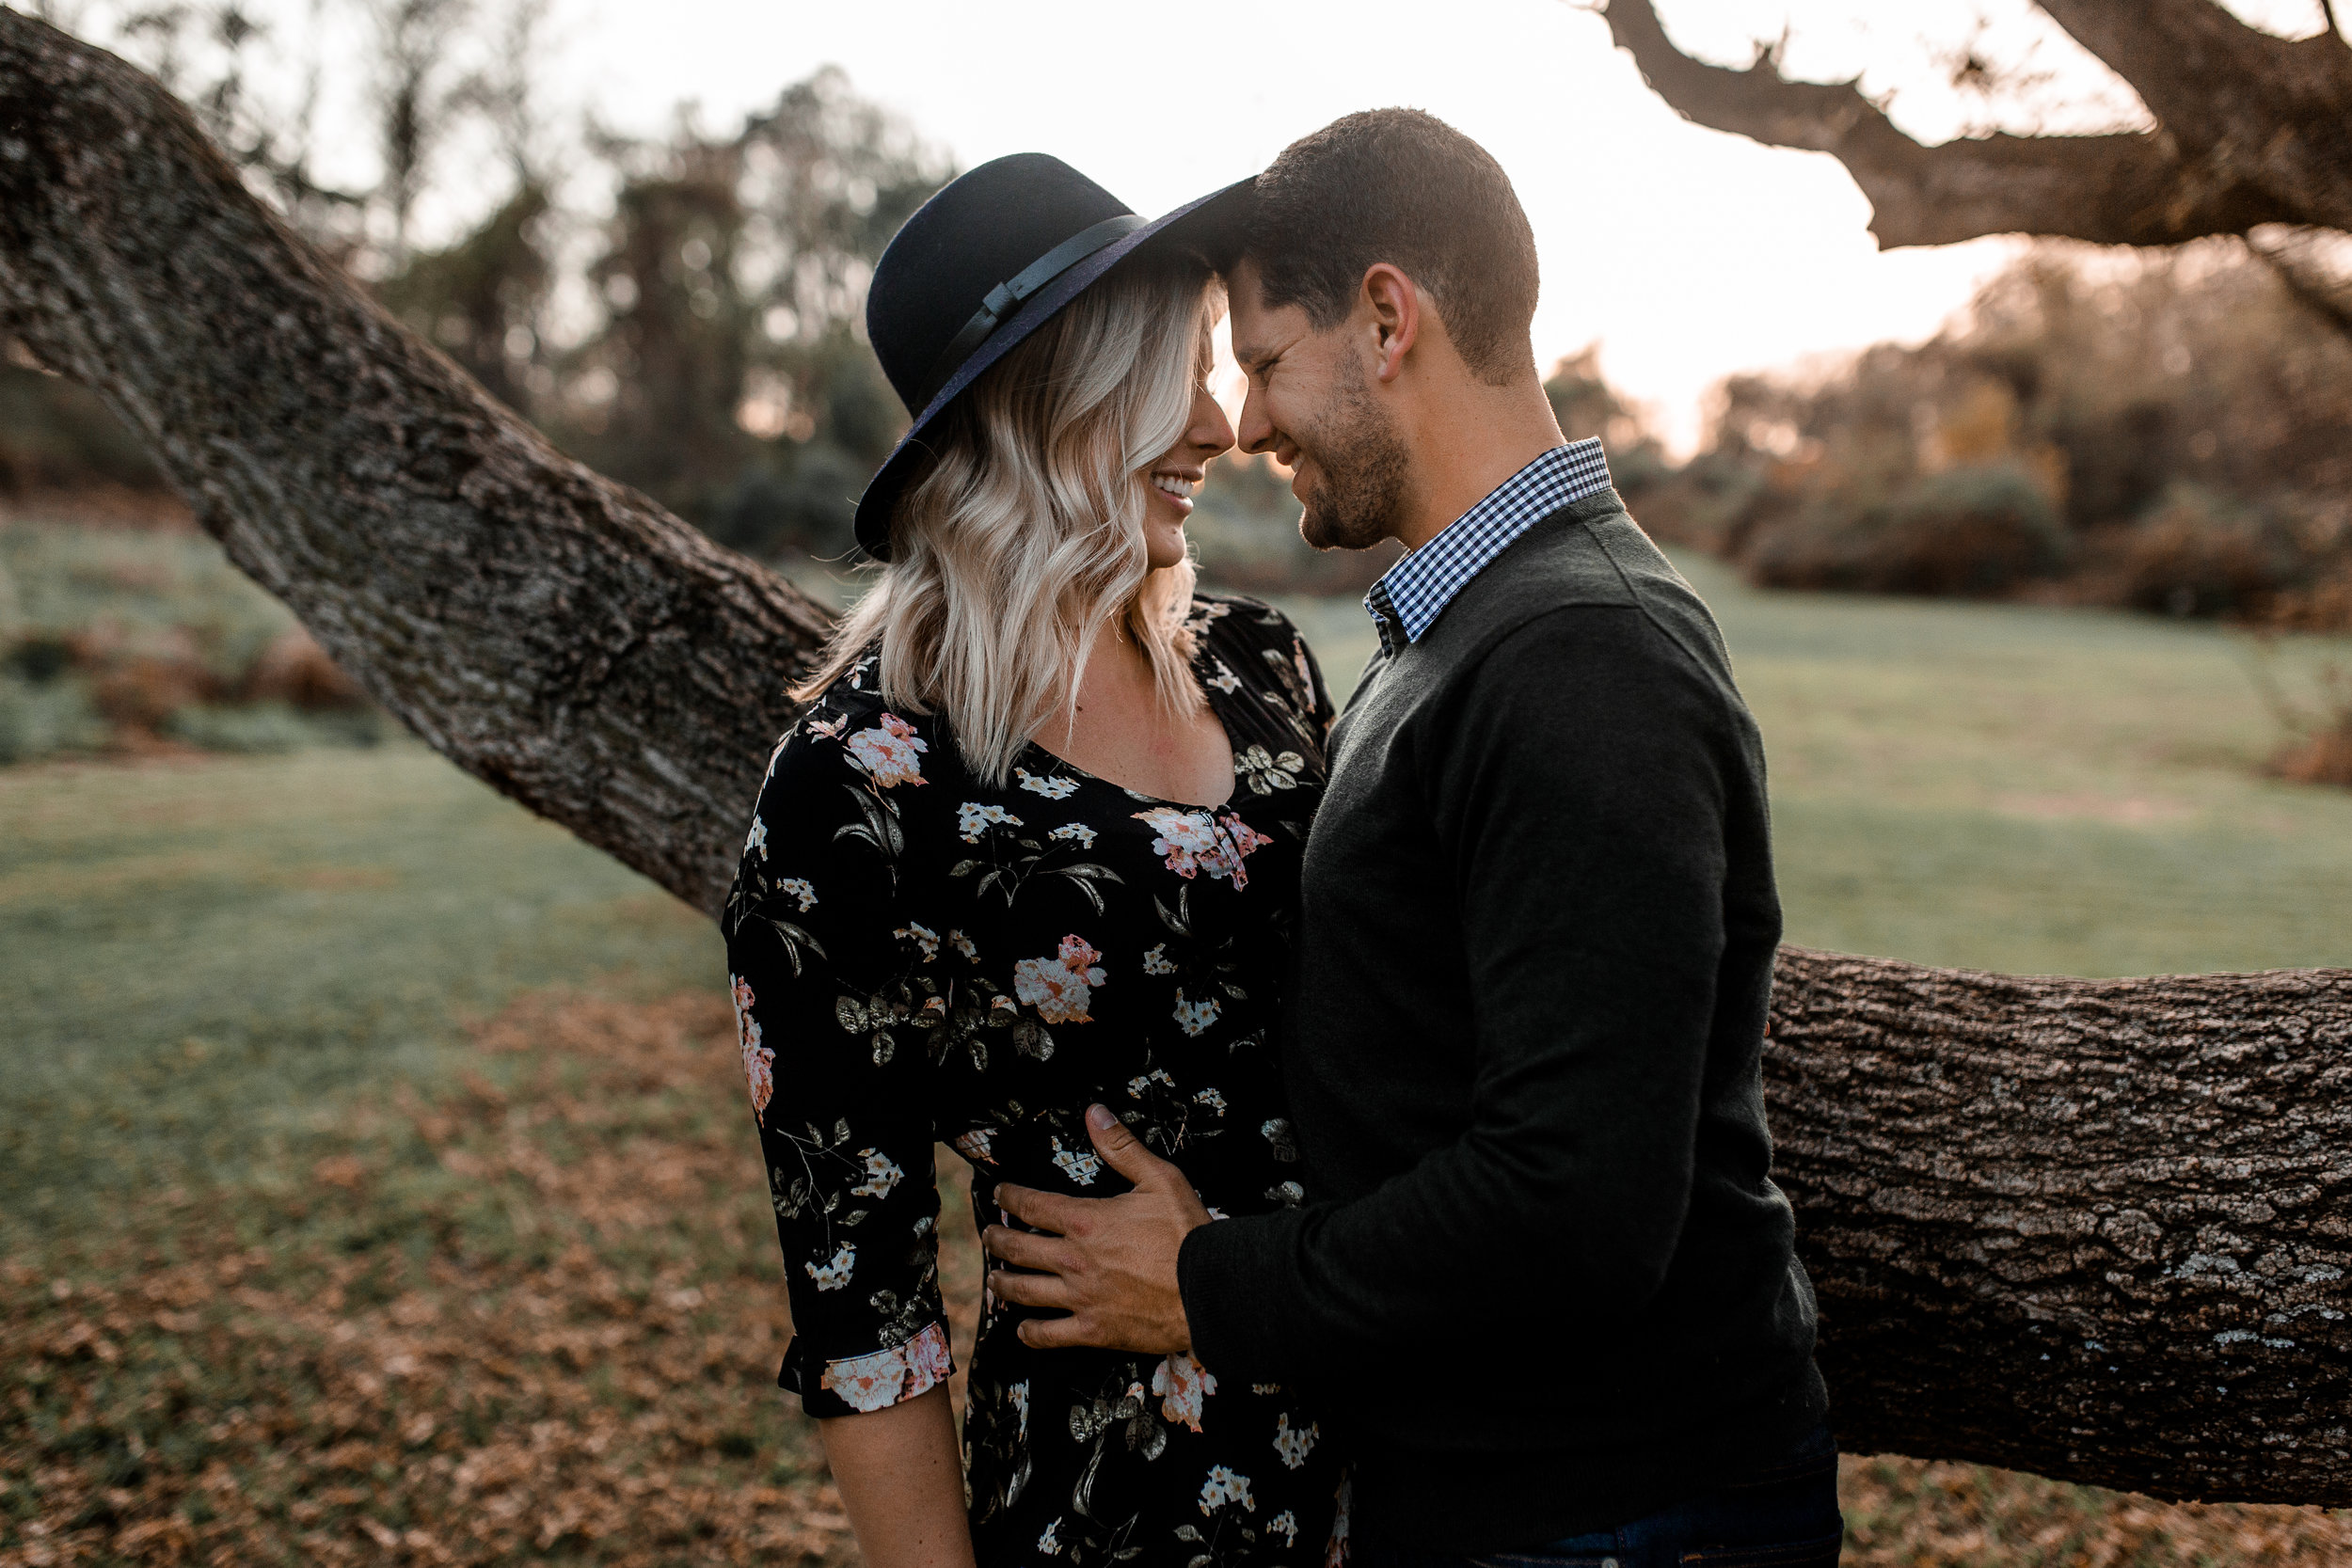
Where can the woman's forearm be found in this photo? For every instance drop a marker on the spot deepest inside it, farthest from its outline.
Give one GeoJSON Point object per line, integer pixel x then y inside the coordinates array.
{"type": "Point", "coordinates": [901, 1479]}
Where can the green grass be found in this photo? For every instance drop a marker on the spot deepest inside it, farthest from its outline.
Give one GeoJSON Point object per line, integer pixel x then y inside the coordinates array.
{"type": "Point", "coordinates": [2019, 788]}
{"type": "Point", "coordinates": [217, 972]}
{"type": "Point", "coordinates": [202, 961]}
{"type": "Point", "coordinates": [204, 966]}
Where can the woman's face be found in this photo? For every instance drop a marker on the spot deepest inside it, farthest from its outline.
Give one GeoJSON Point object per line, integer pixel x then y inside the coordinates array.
{"type": "Point", "coordinates": [1172, 480]}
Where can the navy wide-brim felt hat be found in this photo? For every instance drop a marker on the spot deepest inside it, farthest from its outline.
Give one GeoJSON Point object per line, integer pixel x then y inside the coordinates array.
{"type": "Point", "coordinates": [983, 263]}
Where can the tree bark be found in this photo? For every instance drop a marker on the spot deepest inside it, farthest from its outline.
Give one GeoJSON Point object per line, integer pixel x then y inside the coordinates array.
{"type": "Point", "coordinates": [2050, 1220]}
{"type": "Point", "coordinates": [2251, 129]}
{"type": "Point", "coordinates": [2093, 1228]}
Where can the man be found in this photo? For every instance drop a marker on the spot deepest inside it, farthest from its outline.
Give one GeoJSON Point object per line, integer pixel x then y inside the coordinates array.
{"type": "Point", "coordinates": [1542, 1280]}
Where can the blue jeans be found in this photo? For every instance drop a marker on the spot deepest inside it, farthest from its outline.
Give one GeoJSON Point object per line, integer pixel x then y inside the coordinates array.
{"type": "Point", "coordinates": [1783, 1516]}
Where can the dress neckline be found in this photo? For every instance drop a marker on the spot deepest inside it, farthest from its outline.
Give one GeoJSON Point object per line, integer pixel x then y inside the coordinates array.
{"type": "Point", "coordinates": [1209, 695]}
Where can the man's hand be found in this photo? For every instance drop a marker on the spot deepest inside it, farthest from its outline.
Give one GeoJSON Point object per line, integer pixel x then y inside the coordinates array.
{"type": "Point", "coordinates": [1110, 1262]}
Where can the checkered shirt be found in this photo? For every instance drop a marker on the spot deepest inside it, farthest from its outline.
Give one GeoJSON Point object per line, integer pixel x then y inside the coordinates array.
{"type": "Point", "coordinates": [1412, 593]}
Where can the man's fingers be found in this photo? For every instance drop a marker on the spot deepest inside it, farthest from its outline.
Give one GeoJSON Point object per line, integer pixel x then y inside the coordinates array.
{"type": "Point", "coordinates": [1023, 1250]}
{"type": "Point", "coordinates": [1045, 1210]}
{"type": "Point", "coordinates": [1054, 1333]}
{"type": "Point", "coordinates": [1125, 1152]}
{"type": "Point", "coordinates": [1032, 1290]}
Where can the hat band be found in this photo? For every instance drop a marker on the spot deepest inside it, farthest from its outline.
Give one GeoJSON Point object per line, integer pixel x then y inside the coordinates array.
{"type": "Point", "coordinates": [1004, 299]}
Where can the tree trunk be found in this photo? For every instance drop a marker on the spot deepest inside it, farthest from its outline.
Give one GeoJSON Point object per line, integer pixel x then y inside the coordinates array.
{"type": "Point", "coordinates": [2094, 1228]}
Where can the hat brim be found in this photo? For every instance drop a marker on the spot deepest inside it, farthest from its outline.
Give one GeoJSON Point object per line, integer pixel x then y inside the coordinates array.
{"type": "Point", "coordinates": [882, 492]}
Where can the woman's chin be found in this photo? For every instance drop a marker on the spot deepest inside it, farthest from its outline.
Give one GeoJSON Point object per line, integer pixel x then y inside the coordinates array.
{"type": "Point", "coordinates": [1163, 546]}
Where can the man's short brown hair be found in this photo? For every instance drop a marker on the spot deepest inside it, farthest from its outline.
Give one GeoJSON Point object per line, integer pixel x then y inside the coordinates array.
{"type": "Point", "coordinates": [1401, 186]}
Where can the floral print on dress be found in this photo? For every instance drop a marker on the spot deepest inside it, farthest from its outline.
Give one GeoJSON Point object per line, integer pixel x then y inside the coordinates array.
{"type": "Point", "coordinates": [834, 1273]}
{"type": "Point", "coordinates": [919, 947]}
{"type": "Point", "coordinates": [1051, 788]}
{"type": "Point", "coordinates": [882, 1174]}
{"type": "Point", "coordinates": [758, 1061]}
{"type": "Point", "coordinates": [1194, 1018]}
{"type": "Point", "coordinates": [1223, 1486]}
{"type": "Point", "coordinates": [889, 1376]}
{"type": "Point", "coordinates": [890, 752]}
{"type": "Point", "coordinates": [1081, 1165]}
{"type": "Point", "coordinates": [1195, 841]}
{"type": "Point", "coordinates": [1294, 1446]}
{"type": "Point", "coordinates": [973, 820]}
{"type": "Point", "coordinates": [1266, 772]}
{"type": "Point", "coordinates": [1059, 988]}
{"type": "Point", "coordinates": [1183, 1384]}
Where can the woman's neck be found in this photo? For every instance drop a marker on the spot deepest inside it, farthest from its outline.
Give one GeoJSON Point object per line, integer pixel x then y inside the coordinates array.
{"type": "Point", "coordinates": [1121, 732]}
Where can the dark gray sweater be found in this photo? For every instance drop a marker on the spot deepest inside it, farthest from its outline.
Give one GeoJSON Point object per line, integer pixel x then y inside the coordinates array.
{"type": "Point", "coordinates": [1544, 1283]}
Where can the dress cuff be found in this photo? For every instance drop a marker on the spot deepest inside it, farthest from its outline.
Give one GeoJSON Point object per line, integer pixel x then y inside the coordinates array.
{"type": "Point", "coordinates": [855, 1385]}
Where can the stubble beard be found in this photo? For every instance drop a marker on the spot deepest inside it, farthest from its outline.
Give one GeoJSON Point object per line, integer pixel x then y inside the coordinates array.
{"type": "Point", "coordinates": [1363, 463]}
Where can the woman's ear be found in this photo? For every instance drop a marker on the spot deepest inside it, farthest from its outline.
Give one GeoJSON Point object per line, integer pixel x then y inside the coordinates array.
{"type": "Point", "coordinates": [1393, 304]}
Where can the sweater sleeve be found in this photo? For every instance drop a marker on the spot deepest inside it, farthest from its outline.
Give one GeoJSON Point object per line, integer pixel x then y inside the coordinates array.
{"type": "Point", "coordinates": [1576, 778]}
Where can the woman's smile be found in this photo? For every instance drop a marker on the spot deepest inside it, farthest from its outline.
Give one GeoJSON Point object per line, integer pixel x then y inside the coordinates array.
{"type": "Point", "coordinates": [1177, 484]}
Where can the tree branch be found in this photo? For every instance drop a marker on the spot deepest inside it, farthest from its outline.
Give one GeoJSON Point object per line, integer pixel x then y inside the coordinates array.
{"type": "Point", "coordinates": [2044, 1217]}
{"type": "Point", "coordinates": [2129, 188]}
{"type": "Point", "coordinates": [2242, 105]}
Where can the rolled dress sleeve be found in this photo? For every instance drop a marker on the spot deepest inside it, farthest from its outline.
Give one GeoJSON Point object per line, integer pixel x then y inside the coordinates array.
{"type": "Point", "coordinates": [816, 951]}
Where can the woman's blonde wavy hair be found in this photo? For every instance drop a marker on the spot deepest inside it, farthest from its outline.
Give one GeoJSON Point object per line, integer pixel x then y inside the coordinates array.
{"type": "Point", "coordinates": [1020, 539]}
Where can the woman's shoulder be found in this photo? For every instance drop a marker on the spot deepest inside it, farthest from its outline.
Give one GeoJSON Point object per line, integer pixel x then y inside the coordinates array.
{"type": "Point", "coordinates": [1238, 618]}
{"type": "Point", "coordinates": [852, 733]}
{"type": "Point", "coordinates": [1246, 644]}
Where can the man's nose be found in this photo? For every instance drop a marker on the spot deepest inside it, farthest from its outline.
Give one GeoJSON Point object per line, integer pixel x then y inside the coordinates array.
{"type": "Point", "coordinates": [1257, 430]}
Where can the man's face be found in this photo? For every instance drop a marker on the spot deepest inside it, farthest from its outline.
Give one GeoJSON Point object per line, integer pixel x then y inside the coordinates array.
{"type": "Point", "coordinates": [1311, 404]}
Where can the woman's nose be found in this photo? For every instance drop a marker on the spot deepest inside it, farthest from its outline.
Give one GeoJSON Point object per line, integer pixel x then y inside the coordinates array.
{"type": "Point", "coordinates": [1211, 431]}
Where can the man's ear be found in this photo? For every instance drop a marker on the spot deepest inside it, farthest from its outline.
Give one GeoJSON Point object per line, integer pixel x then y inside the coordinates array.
{"type": "Point", "coordinates": [1393, 306]}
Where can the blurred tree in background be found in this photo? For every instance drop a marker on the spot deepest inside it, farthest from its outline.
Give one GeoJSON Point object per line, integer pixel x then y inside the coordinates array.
{"type": "Point", "coordinates": [684, 314]}
{"type": "Point", "coordinates": [2159, 428]}
{"type": "Point", "coordinates": [2163, 431]}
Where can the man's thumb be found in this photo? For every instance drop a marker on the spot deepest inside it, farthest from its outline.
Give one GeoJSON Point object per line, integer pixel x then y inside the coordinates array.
{"type": "Point", "coordinates": [1121, 1150]}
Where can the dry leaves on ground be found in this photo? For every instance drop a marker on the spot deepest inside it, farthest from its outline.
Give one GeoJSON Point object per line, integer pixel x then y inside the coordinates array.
{"type": "Point", "coordinates": [537, 1318]}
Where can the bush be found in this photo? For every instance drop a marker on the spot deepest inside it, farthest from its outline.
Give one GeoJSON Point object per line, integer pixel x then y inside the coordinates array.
{"type": "Point", "coordinates": [261, 727]}
{"type": "Point", "coordinates": [112, 639]}
{"type": "Point", "coordinates": [1977, 531]}
{"type": "Point", "coordinates": [811, 506]}
{"type": "Point", "coordinates": [2160, 431]}
{"type": "Point", "coordinates": [47, 718]}
{"type": "Point", "coordinates": [2195, 553]}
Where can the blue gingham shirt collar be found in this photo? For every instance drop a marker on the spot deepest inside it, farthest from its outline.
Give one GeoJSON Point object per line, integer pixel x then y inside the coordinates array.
{"type": "Point", "coordinates": [1412, 593]}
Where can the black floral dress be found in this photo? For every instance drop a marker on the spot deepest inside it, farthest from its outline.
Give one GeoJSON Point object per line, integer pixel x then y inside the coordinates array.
{"type": "Point", "coordinates": [918, 956]}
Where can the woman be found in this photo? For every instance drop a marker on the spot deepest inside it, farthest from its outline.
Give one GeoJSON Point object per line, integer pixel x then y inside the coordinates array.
{"type": "Point", "coordinates": [1034, 845]}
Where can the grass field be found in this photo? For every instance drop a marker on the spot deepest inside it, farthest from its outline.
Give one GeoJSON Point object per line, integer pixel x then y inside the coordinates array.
{"type": "Point", "coordinates": [373, 1186]}
{"type": "Point", "coordinates": [2011, 788]}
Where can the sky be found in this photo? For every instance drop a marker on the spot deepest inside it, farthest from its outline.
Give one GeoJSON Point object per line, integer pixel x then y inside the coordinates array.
{"type": "Point", "coordinates": [1686, 254]}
